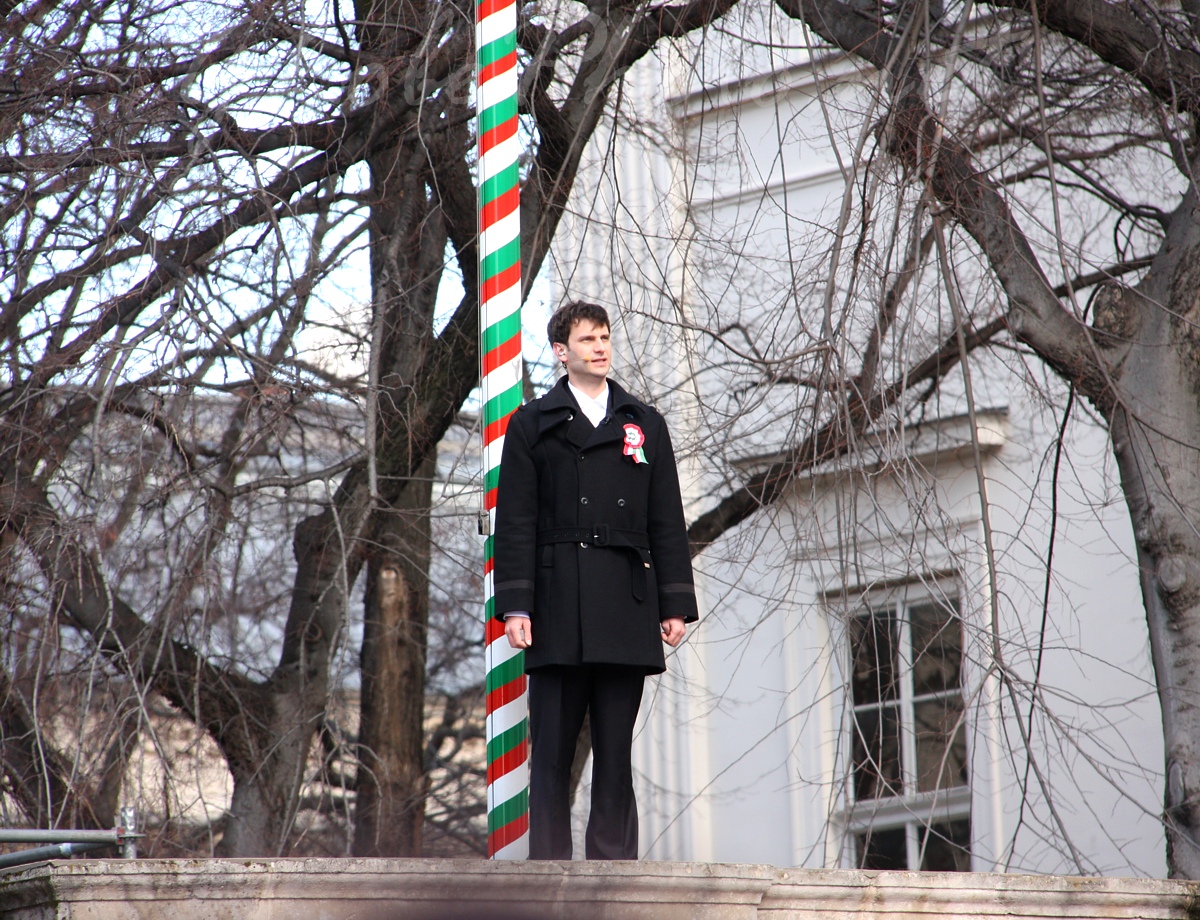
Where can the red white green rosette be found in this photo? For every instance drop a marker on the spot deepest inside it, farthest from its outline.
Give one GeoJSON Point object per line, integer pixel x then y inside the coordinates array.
{"type": "Point", "coordinates": [635, 439]}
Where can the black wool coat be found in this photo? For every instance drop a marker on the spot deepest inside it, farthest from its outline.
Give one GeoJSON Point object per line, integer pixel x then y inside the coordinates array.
{"type": "Point", "coordinates": [591, 543]}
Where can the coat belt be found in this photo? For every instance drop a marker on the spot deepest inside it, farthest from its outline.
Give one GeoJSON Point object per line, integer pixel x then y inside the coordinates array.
{"type": "Point", "coordinates": [603, 535]}
{"type": "Point", "coordinates": [596, 535]}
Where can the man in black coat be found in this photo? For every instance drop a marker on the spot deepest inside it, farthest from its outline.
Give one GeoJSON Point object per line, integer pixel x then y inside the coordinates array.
{"type": "Point", "coordinates": [592, 575]}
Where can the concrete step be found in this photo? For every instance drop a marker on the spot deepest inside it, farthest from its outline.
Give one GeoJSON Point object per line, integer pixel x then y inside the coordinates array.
{"type": "Point", "coordinates": [459, 889]}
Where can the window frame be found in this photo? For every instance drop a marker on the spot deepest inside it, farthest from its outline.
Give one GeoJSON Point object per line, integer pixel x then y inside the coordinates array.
{"type": "Point", "coordinates": [911, 809]}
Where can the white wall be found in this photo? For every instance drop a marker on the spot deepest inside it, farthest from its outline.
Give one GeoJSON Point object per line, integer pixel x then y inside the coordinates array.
{"type": "Point", "coordinates": [719, 213]}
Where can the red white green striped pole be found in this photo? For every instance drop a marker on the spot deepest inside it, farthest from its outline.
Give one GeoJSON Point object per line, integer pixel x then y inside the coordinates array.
{"type": "Point", "coordinates": [500, 323]}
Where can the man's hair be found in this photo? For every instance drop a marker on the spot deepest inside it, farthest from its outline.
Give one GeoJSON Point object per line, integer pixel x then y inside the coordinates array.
{"type": "Point", "coordinates": [566, 316]}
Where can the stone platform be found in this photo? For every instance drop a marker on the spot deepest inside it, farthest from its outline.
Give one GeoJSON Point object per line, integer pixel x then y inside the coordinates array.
{"type": "Point", "coordinates": [436, 889]}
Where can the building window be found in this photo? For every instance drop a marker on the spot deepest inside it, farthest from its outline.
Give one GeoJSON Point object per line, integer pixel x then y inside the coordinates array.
{"type": "Point", "coordinates": [911, 804]}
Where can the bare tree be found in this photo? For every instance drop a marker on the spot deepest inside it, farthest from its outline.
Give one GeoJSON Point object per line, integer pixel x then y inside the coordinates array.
{"type": "Point", "coordinates": [188, 192]}
{"type": "Point", "coordinates": [1018, 189]}
{"type": "Point", "coordinates": [1017, 192]}
{"type": "Point", "coordinates": [1133, 361]}
{"type": "Point", "coordinates": [206, 448]}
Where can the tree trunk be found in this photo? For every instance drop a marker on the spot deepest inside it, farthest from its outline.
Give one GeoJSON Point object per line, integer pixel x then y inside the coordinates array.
{"type": "Point", "coordinates": [408, 246]}
{"type": "Point", "coordinates": [1161, 482]}
{"type": "Point", "coordinates": [268, 771]}
{"type": "Point", "coordinates": [266, 739]}
{"type": "Point", "coordinates": [1155, 428]}
{"type": "Point", "coordinates": [391, 785]}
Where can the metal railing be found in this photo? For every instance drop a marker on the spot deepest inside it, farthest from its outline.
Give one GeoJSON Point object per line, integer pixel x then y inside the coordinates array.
{"type": "Point", "coordinates": [70, 842]}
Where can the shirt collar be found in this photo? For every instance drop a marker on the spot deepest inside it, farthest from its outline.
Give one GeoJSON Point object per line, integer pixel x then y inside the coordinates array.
{"type": "Point", "coordinates": [595, 409]}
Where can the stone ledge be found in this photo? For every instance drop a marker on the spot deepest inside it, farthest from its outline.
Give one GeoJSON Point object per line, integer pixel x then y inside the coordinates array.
{"type": "Point", "coordinates": [437, 889]}
{"type": "Point", "coordinates": [840, 894]}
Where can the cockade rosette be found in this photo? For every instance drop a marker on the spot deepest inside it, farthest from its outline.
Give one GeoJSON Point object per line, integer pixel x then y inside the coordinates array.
{"type": "Point", "coordinates": [634, 439]}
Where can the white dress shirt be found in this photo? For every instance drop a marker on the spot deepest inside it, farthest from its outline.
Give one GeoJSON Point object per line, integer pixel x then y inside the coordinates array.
{"type": "Point", "coordinates": [595, 409]}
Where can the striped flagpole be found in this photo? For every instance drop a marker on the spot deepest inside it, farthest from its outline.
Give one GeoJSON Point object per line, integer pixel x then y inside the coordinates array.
{"type": "Point", "coordinates": [500, 322]}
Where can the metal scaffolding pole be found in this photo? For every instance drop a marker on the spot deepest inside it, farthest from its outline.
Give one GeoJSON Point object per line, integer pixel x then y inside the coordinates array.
{"type": "Point", "coordinates": [65, 842]}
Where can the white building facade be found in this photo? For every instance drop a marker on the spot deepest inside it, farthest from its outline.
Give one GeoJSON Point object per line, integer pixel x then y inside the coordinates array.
{"type": "Point", "coordinates": [930, 652]}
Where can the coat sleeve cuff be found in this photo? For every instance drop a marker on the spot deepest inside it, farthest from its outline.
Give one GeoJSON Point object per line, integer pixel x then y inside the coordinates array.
{"type": "Point", "coordinates": [678, 601]}
{"type": "Point", "coordinates": [512, 596]}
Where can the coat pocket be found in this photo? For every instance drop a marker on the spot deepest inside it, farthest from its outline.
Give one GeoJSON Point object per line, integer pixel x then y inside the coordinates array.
{"type": "Point", "coordinates": [639, 566]}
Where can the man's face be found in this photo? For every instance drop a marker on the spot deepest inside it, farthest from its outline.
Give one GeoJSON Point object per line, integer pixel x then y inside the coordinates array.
{"type": "Point", "coordinates": [587, 353]}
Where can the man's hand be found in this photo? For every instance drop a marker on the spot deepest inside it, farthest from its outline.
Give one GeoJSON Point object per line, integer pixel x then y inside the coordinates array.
{"type": "Point", "coordinates": [672, 630]}
{"type": "Point", "coordinates": [519, 633]}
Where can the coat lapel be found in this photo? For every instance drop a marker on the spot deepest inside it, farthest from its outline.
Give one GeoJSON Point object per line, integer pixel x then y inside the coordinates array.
{"type": "Point", "coordinates": [623, 409]}
{"type": "Point", "coordinates": [608, 430]}
{"type": "Point", "coordinates": [580, 431]}
{"type": "Point", "coordinates": [558, 407]}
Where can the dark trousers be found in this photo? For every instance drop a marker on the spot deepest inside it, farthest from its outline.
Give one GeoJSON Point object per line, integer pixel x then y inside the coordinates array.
{"type": "Point", "coordinates": [558, 699]}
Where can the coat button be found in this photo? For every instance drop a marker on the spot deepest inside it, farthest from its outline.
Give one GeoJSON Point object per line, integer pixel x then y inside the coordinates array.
{"type": "Point", "coordinates": [620, 503]}
{"type": "Point", "coordinates": [570, 416]}
{"type": "Point", "coordinates": [583, 501]}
